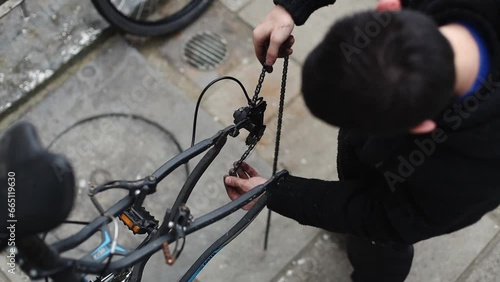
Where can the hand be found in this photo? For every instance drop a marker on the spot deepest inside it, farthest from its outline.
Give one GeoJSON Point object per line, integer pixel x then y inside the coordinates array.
{"type": "Point", "coordinates": [247, 178]}
{"type": "Point", "coordinates": [272, 38]}
{"type": "Point", "coordinates": [389, 5]}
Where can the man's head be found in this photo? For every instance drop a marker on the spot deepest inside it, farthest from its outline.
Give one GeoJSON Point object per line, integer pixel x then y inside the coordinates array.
{"type": "Point", "coordinates": [380, 72]}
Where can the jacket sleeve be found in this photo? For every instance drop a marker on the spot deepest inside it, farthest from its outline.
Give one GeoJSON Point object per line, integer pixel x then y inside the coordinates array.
{"type": "Point", "coordinates": [300, 10]}
{"type": "Point", "coordinates": [428, 204]}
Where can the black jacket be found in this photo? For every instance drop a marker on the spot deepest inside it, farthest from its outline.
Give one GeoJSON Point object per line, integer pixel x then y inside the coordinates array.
{"type": "Point", "coordinates": [410, 188]}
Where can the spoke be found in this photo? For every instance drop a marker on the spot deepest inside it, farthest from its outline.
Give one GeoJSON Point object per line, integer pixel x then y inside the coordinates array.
{"type": "Point", "coordinates": [141, 8]}
{"type": "Point", "coordinates": [120, 7]}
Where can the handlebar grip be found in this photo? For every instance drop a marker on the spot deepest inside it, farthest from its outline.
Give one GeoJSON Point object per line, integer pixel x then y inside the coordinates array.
{"type": "Point", "coordinates": [43, 257]}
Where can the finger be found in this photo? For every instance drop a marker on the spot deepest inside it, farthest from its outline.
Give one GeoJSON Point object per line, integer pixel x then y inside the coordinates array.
{"type": "Point", "coordinates": [249, 169]}
{"type": "Point", "coordinates": [285, 52]}
{"type": "Point", "coordinates": [286, 48]}
{"type": "Point", "coordinates": [269, 69]}
{"type": "Point", "coordinates": [276, 41]}
{"type": "Point", "coordinates": [248, 206]}
{"type": "Point", "coordinates": [236, 183]}
{"type": "Point", "coordinates": [242, 173]}
{"type": "Point", "coordinates": [232, 193]}
{"type": "Point", "coordinates": [289, 42]}
{"type": "Point", "coordinates": [260, 42]}
{"type": "Point", "coordinates": [272, 53]}
{"type": "Point", "coordinates": [231, 172]}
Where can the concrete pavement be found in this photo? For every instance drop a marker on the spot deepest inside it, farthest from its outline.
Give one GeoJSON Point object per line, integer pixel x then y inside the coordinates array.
{"type": "Point", "coordinates": [149, 79]}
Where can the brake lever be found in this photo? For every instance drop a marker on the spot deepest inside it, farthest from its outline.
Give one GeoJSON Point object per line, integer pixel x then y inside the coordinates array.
{"type": "Point", "coordinates": [182, 221]}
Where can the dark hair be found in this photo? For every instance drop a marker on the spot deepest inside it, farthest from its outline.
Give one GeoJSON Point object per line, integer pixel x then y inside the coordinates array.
{"type": "Point", "coordinates": [380, 72]}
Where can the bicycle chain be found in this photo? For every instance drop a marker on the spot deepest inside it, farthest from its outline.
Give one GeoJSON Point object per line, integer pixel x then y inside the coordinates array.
{"type": "Point", "coordinates": [280, 115]}
{"type": "Point", "coordinates": [255, 100]}
{"type": "Point", "coordinates": [242, 159]}
{"type": "Point", "coordinates": [277, 141]}
{"type": "Point", "coordinates": [259, 85]}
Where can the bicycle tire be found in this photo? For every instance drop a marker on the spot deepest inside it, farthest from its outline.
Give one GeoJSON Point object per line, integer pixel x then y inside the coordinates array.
{"type": "Point", "coordinates": [168, 25]}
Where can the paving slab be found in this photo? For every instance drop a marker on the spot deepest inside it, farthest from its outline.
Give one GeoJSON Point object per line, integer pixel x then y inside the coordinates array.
{"type": "Point", "coordinates": [495, 215]}
{"type": "Point", "coordinates": [161, 89]}
{"type": "Point", "coordinates": [440, 259]}
{"type": "Point", "coordinates": [312, 32]}
{"type": "Point", "coordinates": [245, 260]}
{"type": "Point", "coordinates": [36, 44]}
{"type": "Point", "coordinates": [486, 267]}
{"type": "Point", "coordinates": [5, 275]}
{"type": "Point", "coordinates": [234, 5]}
{"type": "Point", "coordinates": [324, 259]}
{"type": "Point", "coordinates": [308, 145]}
{"type": "Point", "coordinates": [228, 95]}
{"type": "Point", "coordinates": [444, 258]}
{"type": "Point", "coordinates": [119, 80]}
{"type": "Point", "coordinates": [255, 11]}
{"type": "Point", "coordinates": [220, 20]}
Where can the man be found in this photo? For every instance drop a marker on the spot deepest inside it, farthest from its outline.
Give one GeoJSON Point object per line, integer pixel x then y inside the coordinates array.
{"type": "Point", "coordinates": [416, 94]}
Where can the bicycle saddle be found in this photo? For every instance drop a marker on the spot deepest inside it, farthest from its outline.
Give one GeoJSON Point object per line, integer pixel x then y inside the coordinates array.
{"type": "Point", "coordinates": [37, 190]}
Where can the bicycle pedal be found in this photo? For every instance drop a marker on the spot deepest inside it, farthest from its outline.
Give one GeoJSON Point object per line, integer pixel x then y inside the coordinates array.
{"type": "Point", "coordinates": [139, 221]}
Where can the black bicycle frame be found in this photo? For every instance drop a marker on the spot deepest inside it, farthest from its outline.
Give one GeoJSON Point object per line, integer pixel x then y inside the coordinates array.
{"type": "Point", "coordinates": [153, 243]}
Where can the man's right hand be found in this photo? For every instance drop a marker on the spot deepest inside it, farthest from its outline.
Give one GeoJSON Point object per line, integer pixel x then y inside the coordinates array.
{"type": "Point", "coordinates": [272, 38]}
{"type": "Point", "coordinates": [245, 180]}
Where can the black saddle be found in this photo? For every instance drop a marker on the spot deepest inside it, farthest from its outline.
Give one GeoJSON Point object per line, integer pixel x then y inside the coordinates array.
{"type": "Point", "coordinates": [37, 187]}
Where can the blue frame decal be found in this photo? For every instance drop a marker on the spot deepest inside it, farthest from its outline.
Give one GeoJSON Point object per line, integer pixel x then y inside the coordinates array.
{"type": "Point", "coordinates": [104, 249]}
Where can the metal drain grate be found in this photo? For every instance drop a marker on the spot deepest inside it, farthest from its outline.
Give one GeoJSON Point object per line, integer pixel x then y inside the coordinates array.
{"type": "Point", "coordinates": [205, 50]}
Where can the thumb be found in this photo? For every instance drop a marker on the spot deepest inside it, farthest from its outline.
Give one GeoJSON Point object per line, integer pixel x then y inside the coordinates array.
{"type": "Point", "coordinates": [234, 182]}
{"type": "Point", "coordinates": [272, 53]}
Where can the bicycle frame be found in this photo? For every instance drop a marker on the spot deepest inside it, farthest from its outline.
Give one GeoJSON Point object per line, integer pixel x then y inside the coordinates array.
{"type": "Point", "coordinates": [167, 232]}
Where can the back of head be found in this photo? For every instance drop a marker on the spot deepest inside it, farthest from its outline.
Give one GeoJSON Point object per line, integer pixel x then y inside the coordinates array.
{"type": "Point", "coordinates": [380, 72]}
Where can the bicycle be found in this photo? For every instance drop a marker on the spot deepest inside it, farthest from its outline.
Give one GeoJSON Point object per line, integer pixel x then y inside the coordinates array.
{"type": "Point", "coordinates": [40, 260]}
{"type": "Point", "coordinates": [150, 17]}
{"type": "Point", "coordinates": [139, 17]}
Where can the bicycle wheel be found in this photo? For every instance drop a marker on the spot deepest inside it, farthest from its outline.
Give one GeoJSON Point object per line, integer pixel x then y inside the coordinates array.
{"type": "Point", "coordinates": [150, 17]}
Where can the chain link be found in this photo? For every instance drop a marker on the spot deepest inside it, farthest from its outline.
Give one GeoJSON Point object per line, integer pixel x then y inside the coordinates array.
{"type": "Point", "coordinates": [242, 159]}
{"type": "Point", "coordinates": [259, 86]}
{"type": "Point", "coordinates": [280, 115]}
